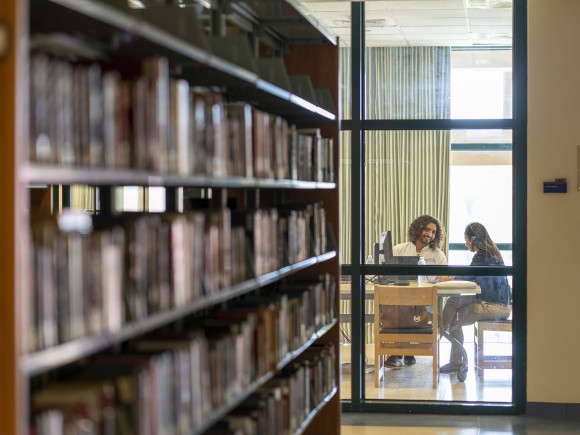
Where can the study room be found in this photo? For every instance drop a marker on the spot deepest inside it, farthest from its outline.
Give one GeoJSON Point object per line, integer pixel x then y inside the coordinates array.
{"type": "Point", "coordinates": [458, 177]}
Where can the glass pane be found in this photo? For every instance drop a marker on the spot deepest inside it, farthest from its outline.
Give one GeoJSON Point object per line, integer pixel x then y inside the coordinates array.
{"type": "Point", "coordinates": [407, 176]}
{"type": "Point", "coordinates": [345, 55]}
{"type": "Point", "coordinates": [481, 84]}
{"type": "Point", "coordinates": [424, 191]}
{"type": "Point", "coordinates": [438, 83]}
{"type": "Point", "coordinates": [423, 62]}
{"type": "Point", "coordinates": [414, 173]}
{"type": "Point", "coordinates": [346, 337]}
{"type": "Point", "coordinates": [481, 177]}
{"type": "Point", "coordinates": [482, 138]}
{"type": "Point", "coordinates": [408, 83]}
{"type": "Point", "coordinates": [410, 378]}
{"type": "Point", "coordinates": [345, 197]}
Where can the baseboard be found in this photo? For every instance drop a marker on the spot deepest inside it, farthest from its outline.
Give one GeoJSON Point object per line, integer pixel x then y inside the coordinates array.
{"type": "Point", "coordinates": [569, 411]}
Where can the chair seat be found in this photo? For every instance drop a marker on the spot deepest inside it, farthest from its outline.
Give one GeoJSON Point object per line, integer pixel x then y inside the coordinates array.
{"type": "Point", "coordinates": [485, 360]}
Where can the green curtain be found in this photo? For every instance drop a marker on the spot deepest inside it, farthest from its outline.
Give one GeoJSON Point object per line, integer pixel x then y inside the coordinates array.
{"type": "Point", "coordinates": [407, 172]}
{"type": "Point", "coordinates": [345, 168]}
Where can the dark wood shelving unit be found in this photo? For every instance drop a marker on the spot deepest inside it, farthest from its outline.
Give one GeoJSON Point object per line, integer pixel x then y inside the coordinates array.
{"type": "Point", "coordinates": [49, 359]}
{"type": "Point", "coordinates": [106, 31]}
{"type": "Point", "coordinates": [46, 174]}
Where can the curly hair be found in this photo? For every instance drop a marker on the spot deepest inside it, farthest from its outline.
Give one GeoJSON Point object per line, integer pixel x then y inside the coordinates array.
{"type": "Point", "coordinates": [417, 226]}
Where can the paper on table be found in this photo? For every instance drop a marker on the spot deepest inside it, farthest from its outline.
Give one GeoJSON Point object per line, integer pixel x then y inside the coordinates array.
{"type": "Point", "coordinates": [457, 284]}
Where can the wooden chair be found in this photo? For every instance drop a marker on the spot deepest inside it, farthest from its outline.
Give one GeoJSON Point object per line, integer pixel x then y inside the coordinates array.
{"type": "Point", "coordinates": [406, 342]}
{"type": "Point", "coordinates": [485, 360]}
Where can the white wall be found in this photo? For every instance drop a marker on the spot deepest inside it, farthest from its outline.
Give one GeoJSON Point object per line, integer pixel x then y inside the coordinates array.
{"type": "Point", "coordinates": [553, 219]}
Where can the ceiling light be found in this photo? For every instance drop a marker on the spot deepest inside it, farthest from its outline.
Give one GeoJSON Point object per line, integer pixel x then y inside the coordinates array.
{"type": "Point", "coordinates": [379, 22]}
{"type": "Point", "coordinates": [490, 4]}
{"type": "Point", "coordinates": [376, 23]}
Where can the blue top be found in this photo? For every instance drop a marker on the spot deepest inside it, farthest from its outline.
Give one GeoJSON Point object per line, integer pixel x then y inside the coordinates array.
{"type": "Point", "coordinates": [495, 289]}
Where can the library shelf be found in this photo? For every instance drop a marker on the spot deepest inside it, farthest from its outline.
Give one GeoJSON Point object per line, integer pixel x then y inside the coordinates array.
{"type": "Point", "coordinates": [32, 367]}
{"type": "Point", "coordinates": [304, 426]}
{"type": "Point", "coordinates": [110, 35]}
{"type": "Point", "coordinates": [50, 174]}
{"type": "Point", "coordinates": [91, 16]}
{"type": "Point", "coordinates": [49, 359]}
{"type": "Point", "coordinates": [223, 410]}
{"type": "Point", "coordinates": [292, 20]}
{"type": "Point", "coordinates": [317, 335]}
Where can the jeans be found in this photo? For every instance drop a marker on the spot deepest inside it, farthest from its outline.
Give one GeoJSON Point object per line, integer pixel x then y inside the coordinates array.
{"type": "Point", "coordinates": [460, 311]}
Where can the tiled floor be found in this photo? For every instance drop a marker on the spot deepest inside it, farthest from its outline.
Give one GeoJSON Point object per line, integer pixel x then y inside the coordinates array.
{"type": "Point", "coordinates": [415, 382]}
{"type": "Point", "coordinates": [413, 424]}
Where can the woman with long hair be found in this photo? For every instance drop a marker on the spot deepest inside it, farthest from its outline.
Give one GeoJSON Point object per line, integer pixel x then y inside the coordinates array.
{"type": "Point", "coordinates": [494, 301]}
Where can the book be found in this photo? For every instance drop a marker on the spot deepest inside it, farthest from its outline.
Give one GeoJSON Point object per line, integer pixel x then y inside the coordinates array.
{"type": "Point", "coordinates": [179, 145]}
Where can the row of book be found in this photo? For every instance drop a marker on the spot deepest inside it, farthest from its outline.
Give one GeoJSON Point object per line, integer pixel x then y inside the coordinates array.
{"type": "Point", "coordinates": [174, 381]}
{"type": "Point", "coordinates": [288, 235]}
{"type": "Point", "coordinates": [125, 268]}
{"type": "Point", "coordinates": [134, 115]}
{"type": "Point", "coordinates": [284, 403]}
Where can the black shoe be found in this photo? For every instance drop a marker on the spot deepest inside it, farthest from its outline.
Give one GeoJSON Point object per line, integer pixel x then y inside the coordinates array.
{"type": "Point", "coordinates": [409, 360]}
{"type": "Point", "coordinates": [394, 362]}
{"type": "Point", "coordinates": [451, 368]}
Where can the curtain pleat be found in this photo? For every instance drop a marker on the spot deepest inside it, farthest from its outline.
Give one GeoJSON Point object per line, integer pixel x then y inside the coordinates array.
{"type": "Point", "coordinates": [406, 172]}
{"type": "Point", "coordinates": [345, 156]}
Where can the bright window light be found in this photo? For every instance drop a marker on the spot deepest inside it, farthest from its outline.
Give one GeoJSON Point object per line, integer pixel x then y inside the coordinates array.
{"type": "Point", "coordinates": [131, 198]}
{"type": "Point", "coordinates": [477, 93]}
{"type": "Point", "coordinates": [481, 194]}
{"type": "Point", "coordinates": [157, 199]}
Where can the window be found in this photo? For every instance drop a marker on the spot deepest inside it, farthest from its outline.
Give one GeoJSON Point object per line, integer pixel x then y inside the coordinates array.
{"type": "Point", "coordinates": [458, 175]}
{"type": "Point", "coordinates": [481, 160]}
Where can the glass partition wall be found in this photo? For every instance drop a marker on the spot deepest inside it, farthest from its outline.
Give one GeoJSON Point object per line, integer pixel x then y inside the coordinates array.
{"type": "Point", "coordinates": [433, 130]}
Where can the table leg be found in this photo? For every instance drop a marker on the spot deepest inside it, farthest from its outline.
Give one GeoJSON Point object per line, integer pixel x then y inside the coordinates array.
{"type": "Point", "coordinates": [462, 373]}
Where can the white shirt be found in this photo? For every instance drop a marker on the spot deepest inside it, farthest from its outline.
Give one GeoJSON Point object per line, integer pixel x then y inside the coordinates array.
{"type": "Point", "coordinates": [427, 252]}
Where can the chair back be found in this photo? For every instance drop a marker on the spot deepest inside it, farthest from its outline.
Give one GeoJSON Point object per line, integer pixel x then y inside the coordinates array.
{"type": "Point", "coordinates": [407, 295]}
{"type": "Point", "coordinates": [406, 341]}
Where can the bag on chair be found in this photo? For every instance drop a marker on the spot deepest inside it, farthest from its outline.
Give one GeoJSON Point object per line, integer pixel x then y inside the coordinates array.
{"type": "Point", "coordinates": [403, 317]}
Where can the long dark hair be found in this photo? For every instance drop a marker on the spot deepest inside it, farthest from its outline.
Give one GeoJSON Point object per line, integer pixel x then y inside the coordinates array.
{"type": "Point", "coordinates": [481, 240]}
{"type": "Point", "coordinates": [416, 228]}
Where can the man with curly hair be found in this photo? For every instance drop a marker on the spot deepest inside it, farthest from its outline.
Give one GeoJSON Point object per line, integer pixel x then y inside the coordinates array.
{"type": "Point", "coordinates": [425, 236]}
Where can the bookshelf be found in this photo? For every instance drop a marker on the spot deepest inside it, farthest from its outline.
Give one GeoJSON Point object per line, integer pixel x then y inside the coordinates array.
{"type": "Point", "coordinates": [264, 210]}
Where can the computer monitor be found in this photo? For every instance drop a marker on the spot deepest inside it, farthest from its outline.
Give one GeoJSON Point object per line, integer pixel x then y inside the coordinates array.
{"type": "Point", "coordinates": [383, 249]}
{"type": "Point", "coordinates": [383, 254]}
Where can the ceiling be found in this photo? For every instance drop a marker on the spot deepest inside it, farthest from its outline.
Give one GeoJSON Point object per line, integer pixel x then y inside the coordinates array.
{"type": "Point", "coordinates": [402, 23]}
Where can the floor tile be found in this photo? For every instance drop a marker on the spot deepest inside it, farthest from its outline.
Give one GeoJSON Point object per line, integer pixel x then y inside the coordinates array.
{"type": "Point", "coordinates": [415, 424]}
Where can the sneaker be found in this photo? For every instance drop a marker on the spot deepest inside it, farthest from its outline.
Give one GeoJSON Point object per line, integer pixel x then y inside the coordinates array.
{"type": "Point", "coordinates": [394, 362]}
{"type": "Point", "coordinates": [451, 368]}
{"type": "Point", "coordinates": [409, 360]}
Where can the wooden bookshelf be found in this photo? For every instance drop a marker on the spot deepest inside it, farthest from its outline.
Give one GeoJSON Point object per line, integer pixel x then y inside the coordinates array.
{"type": "Point", "coordinates": [80, 33]}
{"type": "Point", "coordinates": [35, 173]}
{"type": "Point", "coordinates": [49, 359]}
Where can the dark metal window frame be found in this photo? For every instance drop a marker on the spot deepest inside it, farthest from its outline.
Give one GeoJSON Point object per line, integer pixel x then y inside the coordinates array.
{"type": "Point", "coordinates": [357, 269]}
